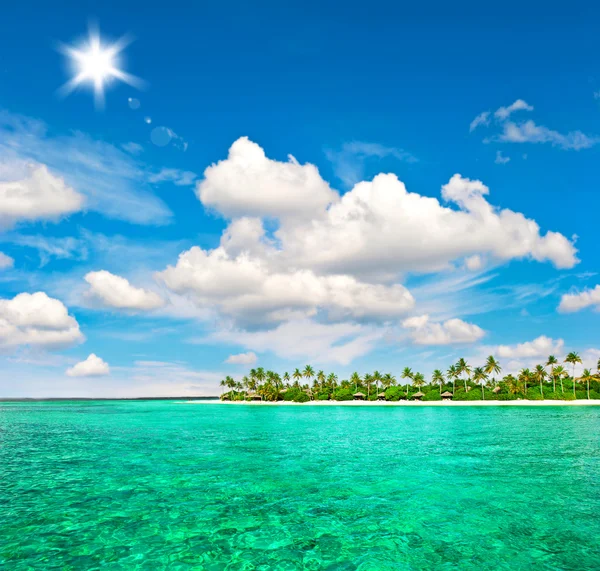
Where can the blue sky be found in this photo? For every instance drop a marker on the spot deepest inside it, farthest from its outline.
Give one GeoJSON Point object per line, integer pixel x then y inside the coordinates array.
{"type": "Point", "coordinates": [362, 251]}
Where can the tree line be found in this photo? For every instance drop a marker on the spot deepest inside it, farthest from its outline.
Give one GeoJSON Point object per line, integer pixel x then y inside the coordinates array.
{"type": "Point", "coordinates": [549, 380]}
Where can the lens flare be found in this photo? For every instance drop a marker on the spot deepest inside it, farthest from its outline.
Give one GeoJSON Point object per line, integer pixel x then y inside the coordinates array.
{"type": "Point", "coordinates": [97, 64]}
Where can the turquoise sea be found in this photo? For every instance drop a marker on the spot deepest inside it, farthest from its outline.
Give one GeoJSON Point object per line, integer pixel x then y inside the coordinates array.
{"type": "Point", "coordinates": [161, 485]}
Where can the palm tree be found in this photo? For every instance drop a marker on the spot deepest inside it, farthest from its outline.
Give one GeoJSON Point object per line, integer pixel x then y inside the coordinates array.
{"type": "Point", "coordinates": [573, 358]}
{"type": "Point", "coordinates": [551, 362]}
{"type": "Point", "coordinates": [523, 376]}
{"type": "Point", "coordinates": [418, 380]}
{"type": "Point", "coordinates": [297, 375]}
{"type": "Point", "coordinates": [513, 384]}
{"type": "Point", "coordinates": [451, 374]}
{"type": "Point", "coordinates": [260, 374]}
{"type": "Point", "coordinates": [479, 375]}
{"type": "Point", "coordinates": [492, 366]}
{"type": "Point", "coordinates": [539, 375]}
{"type": "Point", "coordinates": [586, 377]}
{"type": "Point", "coordinates": [388, 380]}
{"type": "Point", "coordinates": [223, 383]}
{"type": "Point", "coordinates": [559, 371]}
{"type": "Point", "coordinates": [463, 368]}
{"type": "Point", "coordinates": [308, 372]}
{"type": "Point", "coordinates": [377, 378]}
{"type": "Point", "coordinates": [321, 378]}
{"type": "Point", "coordinates": [332, 380]}
{"type": "Point", "coordinates": [355, 378]}
{"type": "Point", "coordinates": [286, 378]}
{"type": "Point", "coordinates": [407, 374]}
{"type": "Point", "coordinates": [368, 379]}
{"type": "Point", "coordinates": [437, 378]}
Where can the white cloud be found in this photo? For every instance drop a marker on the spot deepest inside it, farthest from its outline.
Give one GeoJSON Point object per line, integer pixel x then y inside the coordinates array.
{"type": "Point", "coordinates": [481, 119]}
{"type": "Point", "coordinates": [115, 291]}
{"type": "Point", "coordinates": [37, 320]}
{"type": "Point", "coordinates": [132, 148]}
{"type": "Point", "coordinates": [540, 347]}
{"type": "Point", "coordinates": [250, 290]}
{"type": "Point", "coordinates": [450, 332]}
{"type": "Point", "coordinates": [504, 112]}
{"type": "Point", "coordinates": [474, 263]}
{"type": "Point", "coordinates": [93, 366]}
{"type": "Point", "coordinates": [380, 228]}
{"type": "Point", "coordinates": [571, 302]}
{"type": "Point", "coordinates": [176, 176]}
{"type": "Point", "coordinates": [306, 339]}
{"type": "Point", "coordinates": [6, 261]}
{"type": "Point", "coordinates": [247, 183]}
{"type": "Point", "coordinates": [529, 132]}
{"type": "Point", "coordinates": [248, 358]}
{"type": "Point", "coordinates": [37, 195]}
{"type": "Point", "coordinates": [501, 159]}
{"type": "Point", "coordinates": [67, 248]}
{"type": "Point", "coordinates": [112, 180]}
{"type": "Point", "coordinates": [349, 161]}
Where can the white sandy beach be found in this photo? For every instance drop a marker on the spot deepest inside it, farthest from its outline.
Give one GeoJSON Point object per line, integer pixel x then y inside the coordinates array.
{"type": "Point", "coordinates": [593, 402]}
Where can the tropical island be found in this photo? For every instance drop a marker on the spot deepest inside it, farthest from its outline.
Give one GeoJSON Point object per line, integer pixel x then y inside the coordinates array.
{"type": "Point", "coordinates": [461, 382]}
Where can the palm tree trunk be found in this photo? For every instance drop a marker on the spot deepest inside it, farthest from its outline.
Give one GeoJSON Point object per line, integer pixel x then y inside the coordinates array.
{"type": "Point", "coordinates": [588, 387]}
{"type": "Point", "coordinates": [574, 395]}
{"type": "Point", "coordinates": [541, 389]}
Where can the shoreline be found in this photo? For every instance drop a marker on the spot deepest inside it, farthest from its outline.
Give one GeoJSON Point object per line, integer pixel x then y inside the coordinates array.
{"type": "Point", "coordinates": [592, 402]}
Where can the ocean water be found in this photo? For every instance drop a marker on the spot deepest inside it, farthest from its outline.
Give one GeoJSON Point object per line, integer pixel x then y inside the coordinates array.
{"type": "Point", "coordinates": [161, 485]}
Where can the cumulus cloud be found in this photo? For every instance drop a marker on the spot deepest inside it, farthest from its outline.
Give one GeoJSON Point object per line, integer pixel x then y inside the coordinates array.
{"type": "Point", "coordinates": [450, 332]}
{"type": "Point", "coordinates": [542, 346]}
{"type": "Point", "coordinates": [248, 358]}
{"type": "Point", "coordinates": [6, 261]}
{"type": "Point", "coordinates": [503, 113]}
{"type": "Point", "coordinates": [93, 366]}
{"type": "Point", "coordinates": [38, 195]}
{"type": "Point", "coordinates": [248, 183]}
{"type": "Point", "coordinates": [343, 260]}
{"type": "Point", "coordinates": [38, 321]}
{"type": "Point", "coordinates": [571, 302]}
{"type": "Point", "coordinates": [115, 291]}
{"type": "Point", "coordinates": [380, 227]}
{"type": "Point", "coordinates": [248, 289]}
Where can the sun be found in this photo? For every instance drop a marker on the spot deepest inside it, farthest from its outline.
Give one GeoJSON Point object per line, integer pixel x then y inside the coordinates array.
{"type": "Point", "coordinates": [96, 64]}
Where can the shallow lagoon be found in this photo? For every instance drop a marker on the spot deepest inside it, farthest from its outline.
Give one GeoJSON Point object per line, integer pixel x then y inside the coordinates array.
{"type": "Point", "coordinates": [156, 485]}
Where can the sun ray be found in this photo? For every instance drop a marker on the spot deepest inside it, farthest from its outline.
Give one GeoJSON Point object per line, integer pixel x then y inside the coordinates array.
{"type": "Point", "coordinates": [97, 64]}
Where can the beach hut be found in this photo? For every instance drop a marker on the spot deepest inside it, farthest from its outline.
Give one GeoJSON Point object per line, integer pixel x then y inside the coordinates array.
{"type": "Point", "coordinates": [381, 396]}
{"type": "Point", "coordinates": [225, 396]}
{"type": "Point", "coordinates": [418, 396]}
{"type": "Point", "coordinates": [447, 395]}
{"type": "Point", "coordinates": [254, 396]}
{"type": "Point", "coordinates": [359, 396]}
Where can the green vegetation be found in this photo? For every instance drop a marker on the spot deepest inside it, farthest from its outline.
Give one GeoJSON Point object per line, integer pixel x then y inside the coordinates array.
{"type": "Point", "coordinates": [545, 382]}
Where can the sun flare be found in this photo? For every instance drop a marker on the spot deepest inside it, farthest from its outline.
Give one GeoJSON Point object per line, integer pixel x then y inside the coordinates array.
{"type": "Point", "coordinates": [97, 64]}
